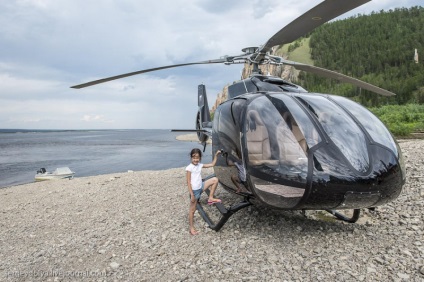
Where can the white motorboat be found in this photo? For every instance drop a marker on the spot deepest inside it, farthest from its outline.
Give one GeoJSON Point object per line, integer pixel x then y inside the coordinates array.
{"type": "Point", "coordinates": [59, 173]}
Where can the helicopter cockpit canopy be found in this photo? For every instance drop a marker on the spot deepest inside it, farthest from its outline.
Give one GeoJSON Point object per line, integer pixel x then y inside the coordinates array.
{"type": "Point", "coordinates": [290, 138]}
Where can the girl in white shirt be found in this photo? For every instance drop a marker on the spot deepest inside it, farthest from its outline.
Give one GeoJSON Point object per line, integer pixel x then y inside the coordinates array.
{"type": "Point", "coordinates": [196, 186]}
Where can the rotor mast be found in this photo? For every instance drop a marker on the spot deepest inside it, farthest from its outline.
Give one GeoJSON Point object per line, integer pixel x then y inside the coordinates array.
{"type": "Point", "coordinates": [256, 56]}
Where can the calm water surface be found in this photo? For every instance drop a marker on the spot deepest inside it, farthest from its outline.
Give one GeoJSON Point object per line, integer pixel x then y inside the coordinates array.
{"type": "Point", "coordinates": [89, 152]}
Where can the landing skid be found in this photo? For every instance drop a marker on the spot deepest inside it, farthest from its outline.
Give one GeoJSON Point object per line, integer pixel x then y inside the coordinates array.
{"type": "Point", "coordinates": [341, 216]}
{"type": "Point", "coordinates": [225, 212]}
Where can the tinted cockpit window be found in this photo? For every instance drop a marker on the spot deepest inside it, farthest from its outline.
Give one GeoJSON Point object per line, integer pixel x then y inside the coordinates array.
{"type": "Point", "coordinates": [341, 129]}
{"type": "Point", "coordinates": [372, 124]}
{"type": "Point", "coordinates": [274, 138]}
{"type": "Point", "coordinates": [298, 118]}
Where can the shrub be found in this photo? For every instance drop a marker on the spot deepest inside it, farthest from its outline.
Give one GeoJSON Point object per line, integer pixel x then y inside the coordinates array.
{"type": "Point", "coordinates": [402, 120]}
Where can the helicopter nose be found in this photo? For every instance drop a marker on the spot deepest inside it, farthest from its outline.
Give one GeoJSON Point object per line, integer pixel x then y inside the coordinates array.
{"type": "Point", "coordinates": [331, 182]}
{"type": "Point", "coordinates": [335, 183]}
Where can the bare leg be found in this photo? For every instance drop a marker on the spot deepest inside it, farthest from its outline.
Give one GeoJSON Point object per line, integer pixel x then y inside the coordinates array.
{"type": "Point", "coordinates": [191, 216]}
{"type": "Point", "coordinates": [235, 179]}
{"type": "Point", "coordinates": [211, 184]}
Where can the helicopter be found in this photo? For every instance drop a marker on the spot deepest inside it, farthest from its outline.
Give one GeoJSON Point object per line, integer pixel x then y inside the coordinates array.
{"type": "Point", "coordinates": [285, 148]}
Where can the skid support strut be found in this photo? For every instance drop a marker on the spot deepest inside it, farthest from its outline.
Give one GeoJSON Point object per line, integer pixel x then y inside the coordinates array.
{"type": "Point", "coordinates": [340, 216]}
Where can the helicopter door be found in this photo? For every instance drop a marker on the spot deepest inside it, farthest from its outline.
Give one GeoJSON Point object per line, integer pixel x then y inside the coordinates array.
{"type": "Point", "coordinates": [258, 144]}
{"type": "Point", "coordinates": [276, 149]}
{"type": "Point", "coordinates": [291, 141]}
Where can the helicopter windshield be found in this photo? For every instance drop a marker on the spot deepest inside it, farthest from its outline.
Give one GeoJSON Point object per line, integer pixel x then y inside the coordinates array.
{"type": "Point", "coordinates": [280, 138]}
{"type": "Point", "coordinates": [372, 124]}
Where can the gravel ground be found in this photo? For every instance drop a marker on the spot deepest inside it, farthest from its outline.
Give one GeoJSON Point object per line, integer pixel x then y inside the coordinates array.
{"type": "Point", "coordinates": [133, 227]}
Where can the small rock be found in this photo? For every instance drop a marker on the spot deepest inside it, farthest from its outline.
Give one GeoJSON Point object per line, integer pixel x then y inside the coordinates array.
{"type": "Point", "coordinates": [371, 270]}
{"type": "Point", "coordinates": [402, 275]}
{"type": "Point", "coordinates": [114, 265]}
{"type": "Point", "coordinates": [227, 270]}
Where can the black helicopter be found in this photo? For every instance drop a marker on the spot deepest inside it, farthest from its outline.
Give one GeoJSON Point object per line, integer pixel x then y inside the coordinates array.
{"type": "Point", "coordinates": [290, 149]}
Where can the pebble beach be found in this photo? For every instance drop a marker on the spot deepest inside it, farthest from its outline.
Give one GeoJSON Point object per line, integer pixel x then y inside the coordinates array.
{"type": "Point", "coordinates": [134, 227]}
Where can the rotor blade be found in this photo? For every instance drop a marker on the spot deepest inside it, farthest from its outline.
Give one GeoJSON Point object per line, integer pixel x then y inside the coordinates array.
{"type": "Point", "coordinates": [339, 77]}
{"type": "Point", "coordinates": [191, 130]}
{"type": "Point", "coordinates": [315, 17]}
{"type": "Point", "coordinates": [94, 82]}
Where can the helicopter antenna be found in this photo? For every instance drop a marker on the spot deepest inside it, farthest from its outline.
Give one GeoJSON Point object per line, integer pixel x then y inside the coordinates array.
{"type": "Point", "coordinates": [242, 79]}
{"type": "Point", "coordinates": [245, 87]}
{"type": "Point", "coordinates": [267, 68]}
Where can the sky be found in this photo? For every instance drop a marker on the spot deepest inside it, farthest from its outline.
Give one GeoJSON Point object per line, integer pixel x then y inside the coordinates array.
{"type": "Point", "coordinates": [46, 46]}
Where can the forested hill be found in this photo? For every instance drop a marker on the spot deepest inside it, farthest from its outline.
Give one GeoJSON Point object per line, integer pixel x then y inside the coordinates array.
{"type": "Point", "coordinates": [378, 48]}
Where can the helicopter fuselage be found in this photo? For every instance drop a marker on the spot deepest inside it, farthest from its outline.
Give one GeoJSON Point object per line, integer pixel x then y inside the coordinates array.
{"type": "Point", "coordinates": [291, 149]}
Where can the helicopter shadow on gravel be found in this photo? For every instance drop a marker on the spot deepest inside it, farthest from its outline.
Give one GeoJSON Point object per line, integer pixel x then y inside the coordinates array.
{"type": "Point", "coordinates": [255, 219]}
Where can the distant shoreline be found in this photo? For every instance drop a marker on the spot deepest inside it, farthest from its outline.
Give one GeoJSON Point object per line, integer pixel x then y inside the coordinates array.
{"type": "Point", "coordinates": [191, 137]}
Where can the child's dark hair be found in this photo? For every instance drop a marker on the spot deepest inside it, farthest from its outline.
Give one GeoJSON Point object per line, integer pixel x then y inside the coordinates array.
{"type": "Point", "coordinates": [196, 151]}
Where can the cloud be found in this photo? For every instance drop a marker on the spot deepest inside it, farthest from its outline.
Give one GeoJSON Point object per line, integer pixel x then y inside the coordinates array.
{"type": "Point", "coordinates": [95, 118]}
{"type": "Point", "coordinates": [46, 46]}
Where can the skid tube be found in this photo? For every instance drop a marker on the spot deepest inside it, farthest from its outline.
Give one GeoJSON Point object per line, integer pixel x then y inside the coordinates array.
{"type": "Point", "coordinates": [225, 212]}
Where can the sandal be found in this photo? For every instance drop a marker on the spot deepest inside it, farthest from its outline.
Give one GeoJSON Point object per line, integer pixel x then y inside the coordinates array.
{"type": "Point", "coordinates": [214, 201]}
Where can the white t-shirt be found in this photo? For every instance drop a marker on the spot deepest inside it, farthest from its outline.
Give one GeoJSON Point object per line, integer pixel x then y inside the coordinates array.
{"type": "Point", "coordinates": [196, 177]}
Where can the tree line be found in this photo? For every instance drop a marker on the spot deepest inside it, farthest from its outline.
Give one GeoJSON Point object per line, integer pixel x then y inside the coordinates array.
{"type": "Point", "coordinates": [377, 48]}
